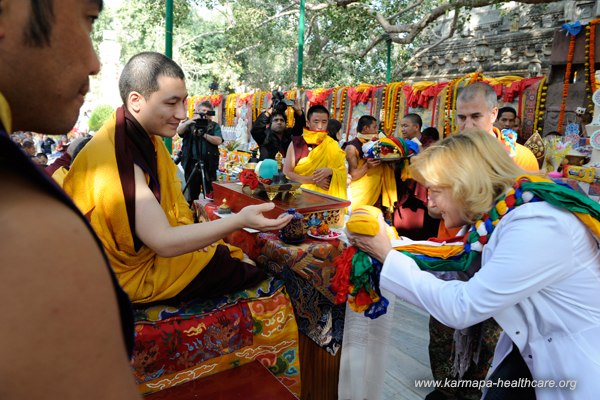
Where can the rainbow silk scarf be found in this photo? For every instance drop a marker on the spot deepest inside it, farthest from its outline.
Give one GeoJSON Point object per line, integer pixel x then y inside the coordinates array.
{"type": "Point", "coordinates": [456, 254]}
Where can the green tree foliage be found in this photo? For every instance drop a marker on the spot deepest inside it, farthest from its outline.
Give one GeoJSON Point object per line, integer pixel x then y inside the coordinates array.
{"type": "Point", "coordinates": [254, 42]}
{"type": "Point", "coordinates": [99, 115]}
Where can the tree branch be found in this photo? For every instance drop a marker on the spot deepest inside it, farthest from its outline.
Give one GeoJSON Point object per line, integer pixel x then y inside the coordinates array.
{"type": "Point", "coordinates": [374, 42]}
{"type": "Point", "coordinates": [441, 40]}
{"type": "Point", "coordinates": [407, 9]}
{"type": "Point", "coordinates": [406, 33]}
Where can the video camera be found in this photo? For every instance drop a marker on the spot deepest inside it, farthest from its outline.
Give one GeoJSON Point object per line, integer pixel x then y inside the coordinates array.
{"type": "Point", "coordinates": [200, 126]}
{"type": "Point", "coordinates": [279, 103]}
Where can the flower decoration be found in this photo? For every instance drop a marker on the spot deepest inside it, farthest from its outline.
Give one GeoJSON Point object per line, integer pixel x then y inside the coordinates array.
{"type": "Point", "coordinates": [249, 178]}
{"type": "Point", "coordinates": [565, 94]}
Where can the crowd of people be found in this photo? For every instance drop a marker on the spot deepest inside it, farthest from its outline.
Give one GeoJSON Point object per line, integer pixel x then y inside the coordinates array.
{"type": "Point", "coordinates": [529, 313]}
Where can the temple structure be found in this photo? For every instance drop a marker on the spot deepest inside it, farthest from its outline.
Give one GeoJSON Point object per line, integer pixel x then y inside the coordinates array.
{"type": "Point", "coordinates": [513, 39]}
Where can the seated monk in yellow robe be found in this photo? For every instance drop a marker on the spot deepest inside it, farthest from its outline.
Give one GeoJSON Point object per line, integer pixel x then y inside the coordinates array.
{"type": "Point", "coordinates": [373, 182]}
{"type": "Point", "coordinates": [124, 181]}
{"type": "Point", "coordinates": [315, 159]}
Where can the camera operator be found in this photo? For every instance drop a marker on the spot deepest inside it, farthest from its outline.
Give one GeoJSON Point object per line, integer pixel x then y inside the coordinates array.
{"type": "Point", "coordinates": [277, 138]}
{"type": "Point", "coordinates": [201, 139]}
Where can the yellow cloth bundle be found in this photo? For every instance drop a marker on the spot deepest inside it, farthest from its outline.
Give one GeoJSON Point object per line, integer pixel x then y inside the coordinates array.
{"type": "Point", "coordinates": [364, 220]}
{"type": "Point", "coordinates": [327, 154]}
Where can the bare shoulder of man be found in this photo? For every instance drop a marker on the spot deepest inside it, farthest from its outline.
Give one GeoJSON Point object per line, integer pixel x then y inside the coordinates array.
{"type": "Point", "coordinates": [63, 310]}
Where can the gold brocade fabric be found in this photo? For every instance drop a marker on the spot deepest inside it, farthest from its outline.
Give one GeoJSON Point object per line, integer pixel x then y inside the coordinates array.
{"type": "Point", "coordinates": [535, 143]}
{"type": "Point", "coordinates": [93, 182]}
{"type": "Point", "coordinates": [327, 154]}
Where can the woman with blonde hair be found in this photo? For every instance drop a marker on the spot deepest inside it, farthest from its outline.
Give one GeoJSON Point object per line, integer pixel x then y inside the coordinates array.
{"type": "Point", "coordinates": [540, 267]}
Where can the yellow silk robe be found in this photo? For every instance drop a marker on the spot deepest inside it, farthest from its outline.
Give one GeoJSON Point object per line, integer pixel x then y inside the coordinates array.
{"type": "Point", "coordinates": [93, 182]}
{"type": "Point", "coordinates": [378, 181]}
{"type": "Point", "coordinates": [327, 154]}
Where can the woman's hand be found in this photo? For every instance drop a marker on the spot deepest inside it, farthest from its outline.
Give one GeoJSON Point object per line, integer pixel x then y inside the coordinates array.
{"type": "Point", "coordinates": [252, 217]}
{"type": "Point", "coordinates": [377, 246]}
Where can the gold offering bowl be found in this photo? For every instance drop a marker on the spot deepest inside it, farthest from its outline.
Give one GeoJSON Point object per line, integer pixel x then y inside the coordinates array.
{"type": "Point", "coordinates": [273, 189]}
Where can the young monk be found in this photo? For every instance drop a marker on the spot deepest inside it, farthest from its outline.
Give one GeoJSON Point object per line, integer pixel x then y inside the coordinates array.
{"type": "Point", "coordinates": [125, 182]}
{"type": "Point", "coordinates": [373, 181]}
{"type": "Point", "coordinates": [315, 159]}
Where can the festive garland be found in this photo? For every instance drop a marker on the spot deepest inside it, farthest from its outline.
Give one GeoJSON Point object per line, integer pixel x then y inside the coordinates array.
{"type": "Point", "coordinates": [565, 93]}
{"type": "Point", "coordinates": [254, 98]}
{"type": "Point", "coordinates": [448, 109]}
{"type": "Point", "coordinates": [230, 106]}
{"type": "Point", "coordinates": [257, 104]}
{"type": "Point", "coordinates": [540, 104]}
{"type": "Point", "coordinates": [290, 113]}
{"type": "Point", "coordinates": [338, 113]}
{"type": "Point", "coordinates": [592, 53]}
{"type": "Point", "coordinates": [455, 88]}
{"type": "Point", "coordinates": [190, 105]}
{"type": "Point", "coordinates": [590, 62]}
{"type": "Point", "coordinates": [391, 107]}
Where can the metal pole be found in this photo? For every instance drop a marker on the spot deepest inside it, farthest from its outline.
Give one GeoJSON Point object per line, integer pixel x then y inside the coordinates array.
{"type": "Point", "coordinates": [300, 43]}
{"type": "Point", "coordinates": [388, 76]}
{"type": "Point", "coordinates": [169, 53]}
{"type": "Point", "coordinates": [169, 29]}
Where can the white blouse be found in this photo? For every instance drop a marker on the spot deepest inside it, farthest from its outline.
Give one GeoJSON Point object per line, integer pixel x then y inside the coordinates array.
{"type": "Point", "coordinates": [540, 280]}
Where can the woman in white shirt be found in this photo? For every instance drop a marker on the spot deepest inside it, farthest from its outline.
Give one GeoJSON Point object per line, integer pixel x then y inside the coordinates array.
{"type": "Point", "coordinates": [540, 272]}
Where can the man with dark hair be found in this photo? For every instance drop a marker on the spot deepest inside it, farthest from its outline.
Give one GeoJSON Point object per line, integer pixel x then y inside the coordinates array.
{"type": "Point", "coordinates": [201, 139]}
{"type": "Point", "coordinates": [334, 129]}
{"type": "Point", "coordinates": [61, 301]}
{"type": "Point", "coordinates": [125, 182]}
{"type": "Point", "coordinates": [315, 159]}
{"type": "Point", "coordinates": [46, 144]}
{"type": "Point", "coordinates": [429, 136]}
{"type": "Point", "coordinates": [373, 182]}
{"type": "Point", "coordinates": [410, 217]}
{"type": "Point", "coordinates": [29, 148]}
{"type": "Point", "coordinates": [506, 118]}
{"type": "Point", "coordinates": [411, 127]}
{"type": "Point", "coordinates": [59, 168]}
{"type": "Point", "coordinates": [269, 131]}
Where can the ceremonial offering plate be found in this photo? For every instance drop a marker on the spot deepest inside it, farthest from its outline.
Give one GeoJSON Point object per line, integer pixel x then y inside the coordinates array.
{"type": "Point", "coordinates": [274, 189]}
{"type": "Point", "coordinates": [332, 234]}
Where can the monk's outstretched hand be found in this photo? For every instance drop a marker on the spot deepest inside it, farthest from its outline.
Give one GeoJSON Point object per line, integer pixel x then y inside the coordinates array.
{"type": "Point", "coordinates": [252, 217]}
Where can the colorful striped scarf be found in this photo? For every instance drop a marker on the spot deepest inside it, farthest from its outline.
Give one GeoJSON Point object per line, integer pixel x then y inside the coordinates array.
{"type": "Point", "coordinates": [458, 254]}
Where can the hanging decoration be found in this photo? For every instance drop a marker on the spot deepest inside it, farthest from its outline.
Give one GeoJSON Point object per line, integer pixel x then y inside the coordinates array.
{"type": "Point", "coordinates": [391, 101]}
{"type": "Point", "coordinates": [230, 106]}
{"type": "Point", "coordinates": [339, 96]}
{"type": "Point", "coordinates": [360, 94]}
{"type": "Point", "coordinates": [191, 105]}
{"type": "Point", "coordinates": [318, 96]}
{"type": "Point", "coordinates": [290, 113]}
{"type": "Point", "coordinates": [540, 106]}
{"type": "Point", "coordinates": [567, 80]}
{"type": "Point", "coordinates": [590, 62]}
{"type": "Point", "coordinates": [257, 103]}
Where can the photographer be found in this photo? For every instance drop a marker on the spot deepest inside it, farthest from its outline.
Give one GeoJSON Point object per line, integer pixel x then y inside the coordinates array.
{"type": "Point", "coordinates": [276, 137]}
{"type": "Point", "coordinates": [201, 139]}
